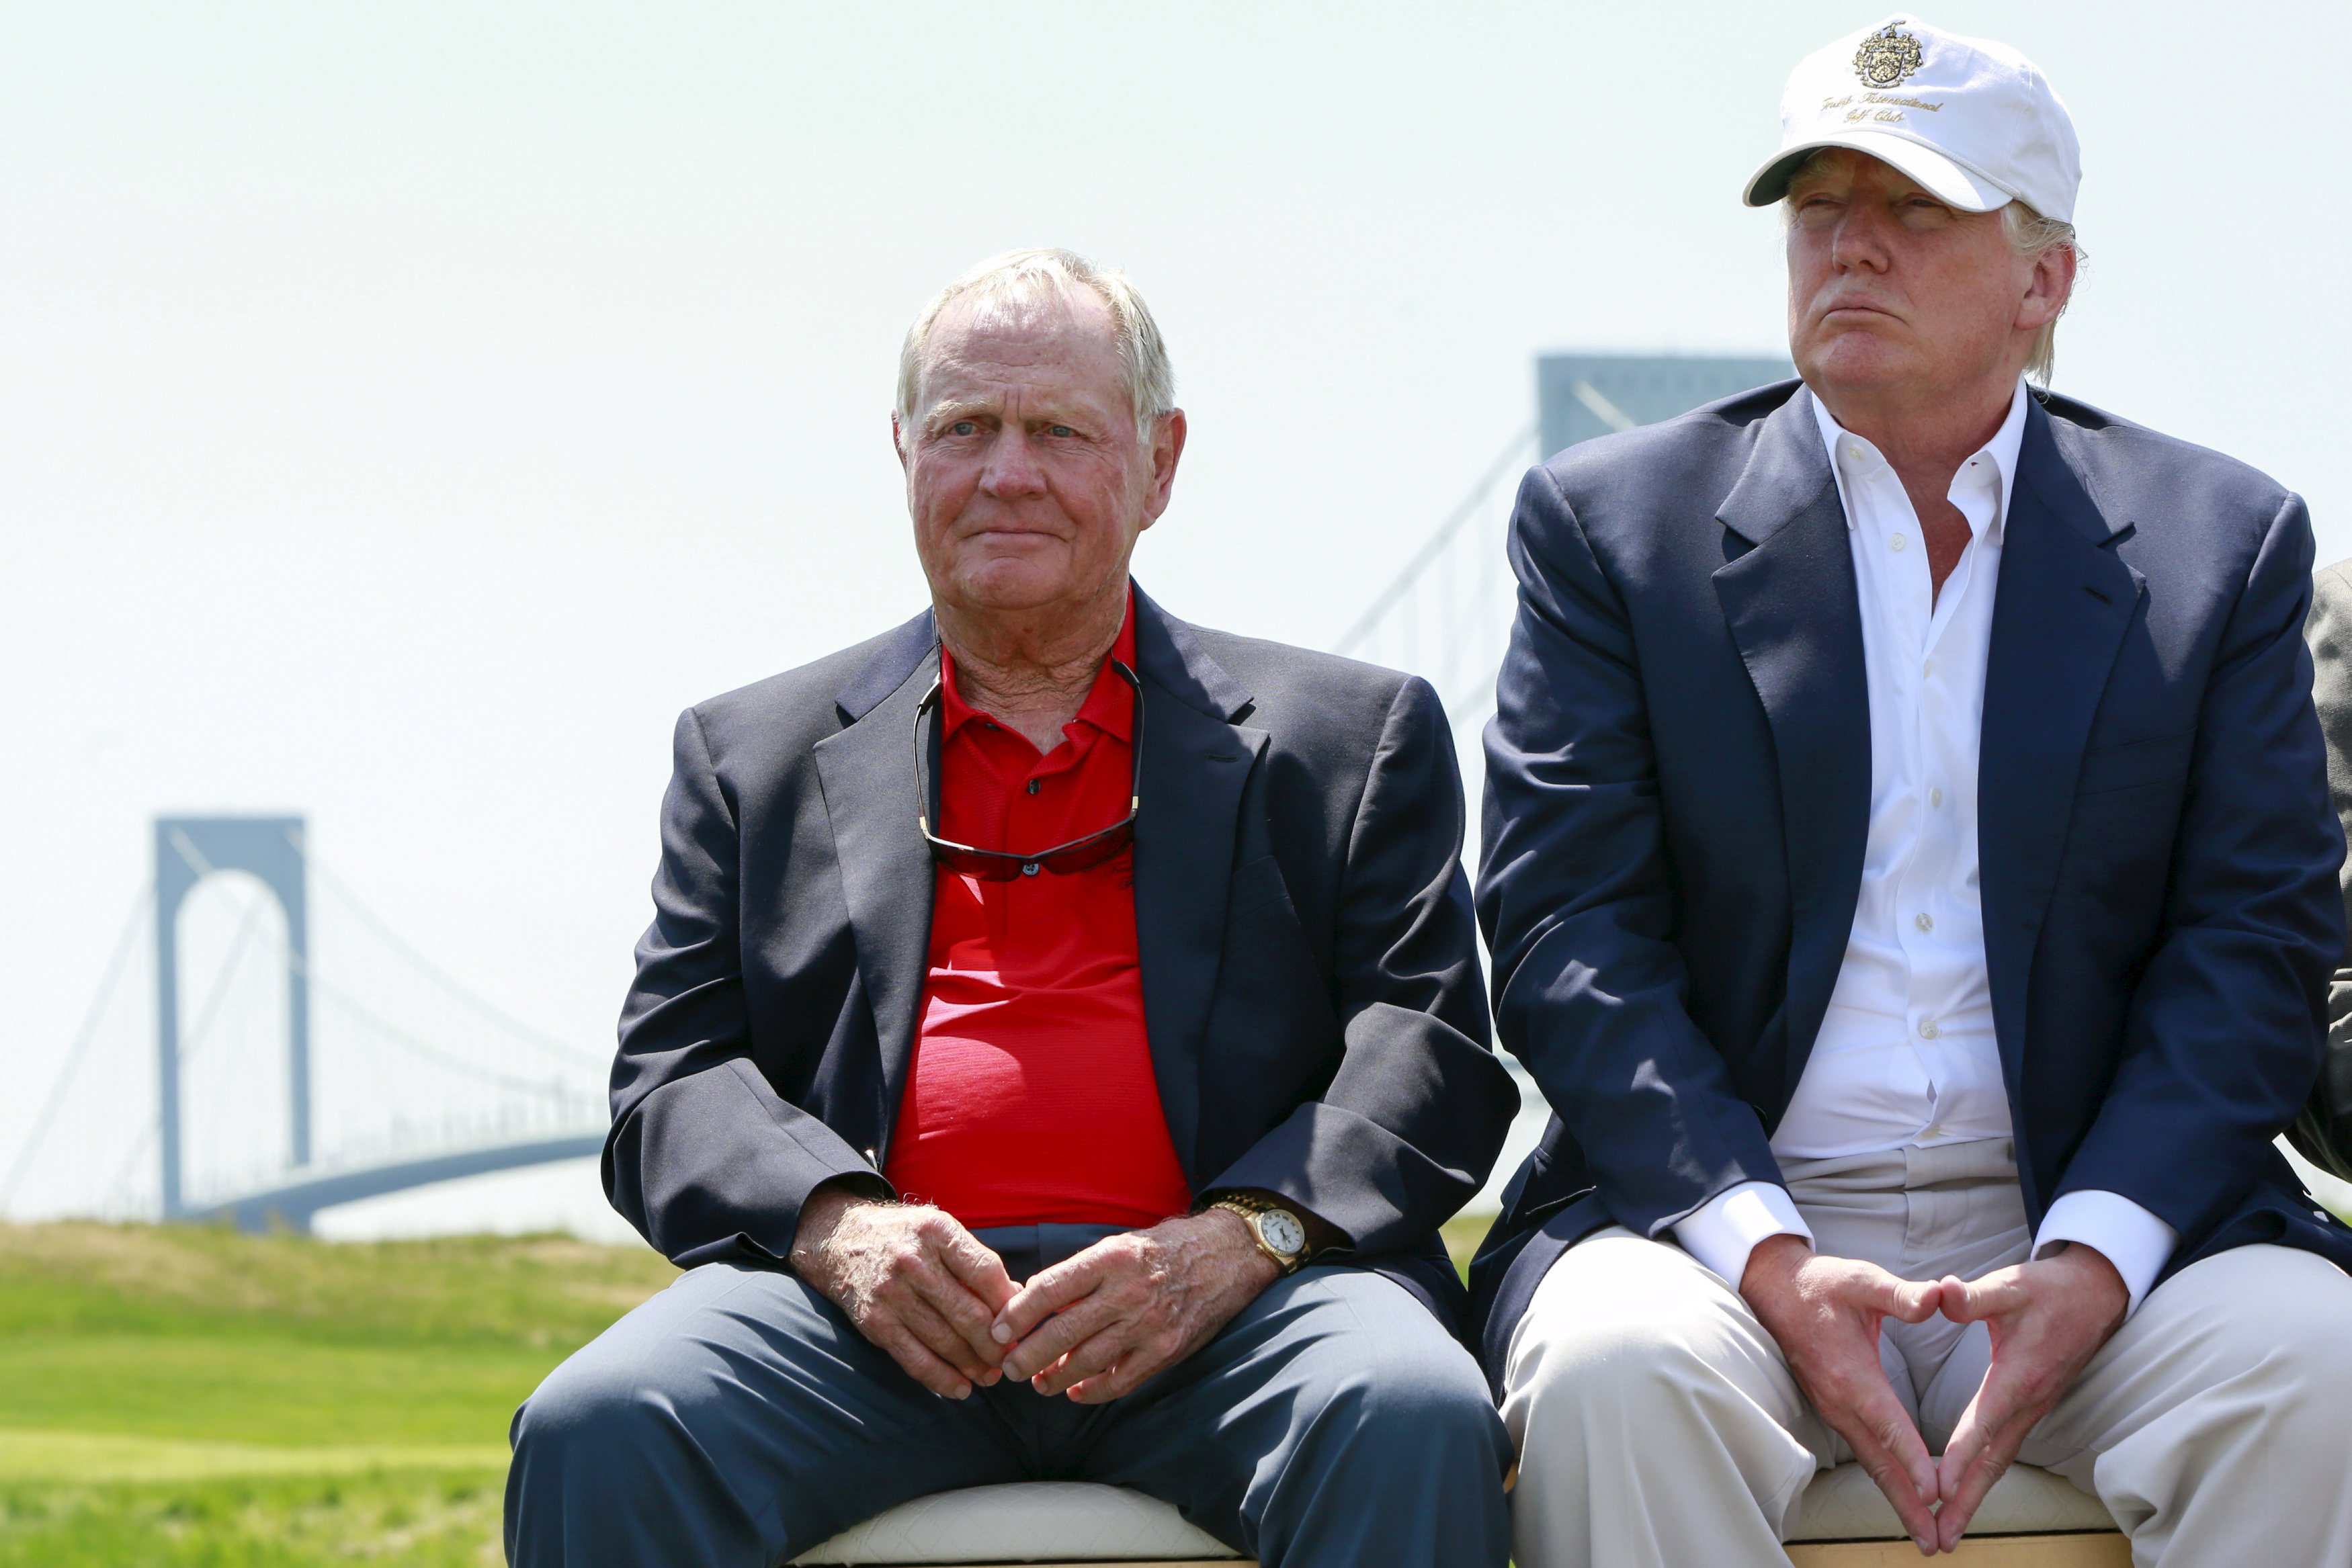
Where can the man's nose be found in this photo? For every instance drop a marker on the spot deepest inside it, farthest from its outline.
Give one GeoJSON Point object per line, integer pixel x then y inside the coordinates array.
{"type": "Point", "coordinates": [1012, 468]}
{"type": "Point", "coordinates": [1860, 239]}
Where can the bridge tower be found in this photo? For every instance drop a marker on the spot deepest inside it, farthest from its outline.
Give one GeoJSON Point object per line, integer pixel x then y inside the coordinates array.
{"type": "Point", "coordinates": [188, 850]}
{"type": "Point", "coordinates": [1579, 396]}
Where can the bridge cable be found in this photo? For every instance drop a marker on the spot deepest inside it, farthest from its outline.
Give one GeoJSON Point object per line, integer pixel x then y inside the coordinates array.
{"type": "Point", "coordinates": [398, 1036]}
{"type": "Point", "coordinates": [79, 1051]}
{"type": "Point", "coordinates": [300, 965]}
{"type": "Point", "coordinates": [249, 921]}
{"type": "Point", "coordinates": [439, 976]}
{"type": "Point", "coordinates": [562, 1097]}
{"type": "Point", "coordinates": [1390, 597]}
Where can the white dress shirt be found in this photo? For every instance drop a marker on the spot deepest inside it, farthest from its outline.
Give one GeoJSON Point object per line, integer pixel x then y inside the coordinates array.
{"type": "Point", "coordinates": [1905, 1056]}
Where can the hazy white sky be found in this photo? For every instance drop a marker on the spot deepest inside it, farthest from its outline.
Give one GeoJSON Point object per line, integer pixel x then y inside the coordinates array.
{"type": "Point", "coordinates": [408, 408]}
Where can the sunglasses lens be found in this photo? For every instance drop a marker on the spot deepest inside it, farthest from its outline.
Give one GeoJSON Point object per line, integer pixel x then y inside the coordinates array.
{"type": "Point", "coordinates": [1086, 857]}
{"type": "Point", "coordinates": [977, 863]}
{"type": "Point", "coordinates": [991, 865]}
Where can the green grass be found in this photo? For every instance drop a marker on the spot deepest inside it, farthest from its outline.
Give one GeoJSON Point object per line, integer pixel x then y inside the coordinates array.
{"type": "Point", "coordinates": [188, 1395]}
{"type": "Point", "coordinates": [404, 1519]}
{"type": "Point", "coordinates": [1462, 1233]}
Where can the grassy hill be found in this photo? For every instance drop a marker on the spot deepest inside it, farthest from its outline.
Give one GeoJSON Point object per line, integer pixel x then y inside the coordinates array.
{"type": "Point", "coordinates": [190, 1396]}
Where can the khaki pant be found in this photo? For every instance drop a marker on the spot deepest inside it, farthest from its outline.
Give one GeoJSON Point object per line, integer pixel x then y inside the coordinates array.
{"type": "Point", "coordinates": [1658, 1426]}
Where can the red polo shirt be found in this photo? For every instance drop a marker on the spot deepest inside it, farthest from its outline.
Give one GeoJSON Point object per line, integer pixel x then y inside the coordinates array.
{"type": "Point", "coordinates": [1031, 1099]}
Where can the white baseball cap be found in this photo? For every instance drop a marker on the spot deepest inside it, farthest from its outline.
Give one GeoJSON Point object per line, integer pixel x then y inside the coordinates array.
{"type": "Point", "coordinates": [1972, 121]}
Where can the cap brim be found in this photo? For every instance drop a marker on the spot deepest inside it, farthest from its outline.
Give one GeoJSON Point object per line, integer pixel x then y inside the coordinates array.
{"type": "Point", "coordinates": [1947, 181]}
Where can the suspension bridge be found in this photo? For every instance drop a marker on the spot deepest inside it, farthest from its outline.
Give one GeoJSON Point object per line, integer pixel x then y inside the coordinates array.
{"type": "Point", "coordinates": [263, 1046]}
{"type": "Point", "coordinates": [216, 1101]}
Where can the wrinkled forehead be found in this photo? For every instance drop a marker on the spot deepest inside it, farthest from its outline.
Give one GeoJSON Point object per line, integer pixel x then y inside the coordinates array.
{"type": "Point", "coordinates": [1037, 337]}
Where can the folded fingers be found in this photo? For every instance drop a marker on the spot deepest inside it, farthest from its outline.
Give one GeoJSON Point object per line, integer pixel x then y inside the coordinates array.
{"type": "Point", "coordinates": [1064, 1332]}
{"type": "Point", "coordinates": [1048, 1292]}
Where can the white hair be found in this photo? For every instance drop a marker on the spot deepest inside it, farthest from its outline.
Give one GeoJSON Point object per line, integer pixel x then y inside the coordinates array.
{"type": "Point", "coordinates": [1025, 277]}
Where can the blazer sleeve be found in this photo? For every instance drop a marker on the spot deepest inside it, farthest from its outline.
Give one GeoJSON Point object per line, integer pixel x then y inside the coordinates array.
{"type": "Point", "coordinates": [705, 1158]}
{"type": "Point", "coordinates": [1577, 901]}
{"type": "Point", "coordinates": [2221, 1041]}
{"type": "Point", "coordinates": [1413, 1121]}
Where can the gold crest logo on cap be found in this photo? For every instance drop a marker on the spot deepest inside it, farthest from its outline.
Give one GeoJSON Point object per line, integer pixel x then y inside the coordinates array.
{"type": "Point", "coordinates": [1887, 58]}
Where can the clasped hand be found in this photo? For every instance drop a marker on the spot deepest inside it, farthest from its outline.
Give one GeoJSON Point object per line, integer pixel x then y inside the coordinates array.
{"type": "Point", "coordinates": [2047, 1320]}
{"type": "Point", "coordinates": [924, 1289]}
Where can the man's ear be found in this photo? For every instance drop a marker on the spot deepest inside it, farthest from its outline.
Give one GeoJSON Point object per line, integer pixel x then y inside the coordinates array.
{"type": "Point", "coordinates": [2051, 285]}
{"type": "Point", "coordinates": [1167, 451]}
{"type": "Point", "coordinates": [897, 439]}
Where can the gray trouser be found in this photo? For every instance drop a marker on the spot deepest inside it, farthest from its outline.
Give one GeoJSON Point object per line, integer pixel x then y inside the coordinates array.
{"type": "Point", "coordinates": [1660, 1426]}
{"type": "Point", "coordinates": [739, 1418]}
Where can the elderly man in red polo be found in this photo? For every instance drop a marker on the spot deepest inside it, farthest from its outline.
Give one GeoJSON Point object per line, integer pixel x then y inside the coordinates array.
{"type": "Point", "coordinates": [1058, 1040]}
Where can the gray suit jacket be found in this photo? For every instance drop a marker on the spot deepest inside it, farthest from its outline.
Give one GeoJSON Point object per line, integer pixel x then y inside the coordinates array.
{"type": "Point", "coordinates": [2329, 632]}
{"type": "Point", "coordinates": [1310, 975]}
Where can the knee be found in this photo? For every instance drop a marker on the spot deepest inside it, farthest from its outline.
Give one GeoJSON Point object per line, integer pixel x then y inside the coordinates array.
{"type": "Point", "coordinates": [1601, 1359]}
{"type": "Point", "coordinates": [1426, 1391]}
{"type": "Point", "coordinates": [1435, 1389]}
{"type": "Point", "coordinates": [2295, 1327]}
{"type": "Point", "coordinates": [590, 1407]}
{"type": "Point", "coordinates": [2270, 1325]}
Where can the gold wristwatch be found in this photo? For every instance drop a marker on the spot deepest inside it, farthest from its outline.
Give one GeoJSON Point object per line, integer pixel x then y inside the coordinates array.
{"type": "Point", "coordinates": [1280, 1234]}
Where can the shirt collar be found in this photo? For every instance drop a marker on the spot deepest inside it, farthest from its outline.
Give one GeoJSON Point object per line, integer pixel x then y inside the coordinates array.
{"type": "Point", "coordinates": [1111, 702]}
{"type": "Point", "coordinates": [2000, 454]}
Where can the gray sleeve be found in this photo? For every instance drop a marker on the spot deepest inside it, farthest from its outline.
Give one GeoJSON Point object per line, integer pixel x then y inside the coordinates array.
{"type": "Point", "coordinates": [2329, 632]}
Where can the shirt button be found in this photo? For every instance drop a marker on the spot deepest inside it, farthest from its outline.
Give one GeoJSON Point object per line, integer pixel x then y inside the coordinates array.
{"type": "Point", "coordinates": [1926, 667]}
{"type": "Point", "coordinates": [1896, 543]}
{"type": "Point", "coordinates": [1923, 921]}
{"type": "Point", "coordinates": [1926, 1029]}
{"type": "Point", "coordinates": [1935, 796]}
{"type": "Point", "coordinates": [1033, 784]}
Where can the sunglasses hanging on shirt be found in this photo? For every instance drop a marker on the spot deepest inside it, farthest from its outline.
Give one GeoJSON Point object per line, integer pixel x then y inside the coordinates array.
{"type": "Point", "coordinates": [1001, 865]}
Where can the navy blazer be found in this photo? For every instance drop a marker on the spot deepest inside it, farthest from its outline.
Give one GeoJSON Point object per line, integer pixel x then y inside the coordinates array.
{"type": "Point", "coordinates": [1678, 796]}
{"type": "Point", "coordinates": [1309, 959]}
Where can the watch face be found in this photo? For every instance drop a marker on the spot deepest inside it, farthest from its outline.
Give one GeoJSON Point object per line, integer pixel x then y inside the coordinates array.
{"type": "Point", "coordinates": [1282, 1231]}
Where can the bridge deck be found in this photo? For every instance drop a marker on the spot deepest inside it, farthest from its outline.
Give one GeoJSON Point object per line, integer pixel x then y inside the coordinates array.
{"type": "Point", "coordinates": [291, 1204]}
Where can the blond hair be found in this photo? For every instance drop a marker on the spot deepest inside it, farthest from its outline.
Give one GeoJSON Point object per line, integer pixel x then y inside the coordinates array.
{"type": "Point", "coordinates": [2034, 236]}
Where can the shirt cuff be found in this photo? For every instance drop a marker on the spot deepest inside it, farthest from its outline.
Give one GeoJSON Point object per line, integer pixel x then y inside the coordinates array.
{"type": "Point", "coordinates": [2135, 1241]}
{"type": "Point", "coordinates": [1722, 1232]}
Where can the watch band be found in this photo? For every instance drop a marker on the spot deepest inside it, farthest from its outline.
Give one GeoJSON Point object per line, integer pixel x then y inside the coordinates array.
{"type": "Point", "coordinates": [1251, 1211]}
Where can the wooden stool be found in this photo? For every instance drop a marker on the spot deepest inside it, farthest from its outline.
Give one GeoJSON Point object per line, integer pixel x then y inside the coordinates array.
{"type": "Point", "coordinates": [2032, 1519]}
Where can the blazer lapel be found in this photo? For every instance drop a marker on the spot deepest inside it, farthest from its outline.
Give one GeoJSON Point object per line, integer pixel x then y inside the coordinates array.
{"type": "Point", "coordinates": [1196, 762]}
{"type": "Point", "coordinates": [1790, 604]}
{"type": "Point", "coordinates": [2064, 602]}
{"type": "Point", "coordinates": [867, 774]}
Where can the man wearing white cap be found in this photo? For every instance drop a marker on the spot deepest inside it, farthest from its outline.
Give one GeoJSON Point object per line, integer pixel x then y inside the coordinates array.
{"type": "Point", "coordinates": [1910, 874]}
